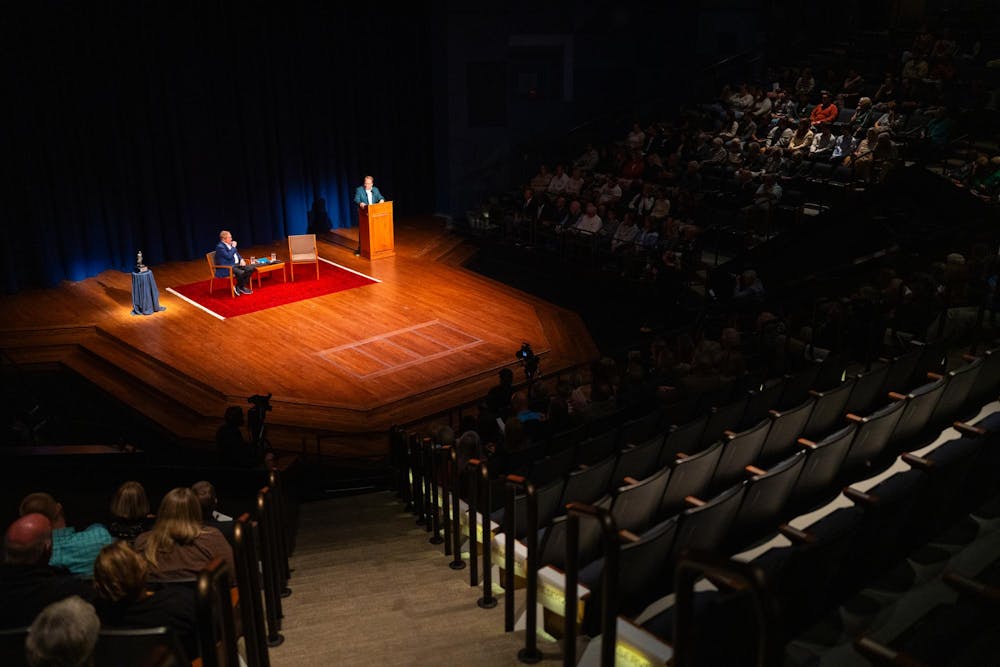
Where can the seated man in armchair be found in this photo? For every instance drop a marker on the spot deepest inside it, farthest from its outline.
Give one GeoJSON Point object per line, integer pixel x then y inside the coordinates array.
{"type": "Point", "coordinates": [226, 254]}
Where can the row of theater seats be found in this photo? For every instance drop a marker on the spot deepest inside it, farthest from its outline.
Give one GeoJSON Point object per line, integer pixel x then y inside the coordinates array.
{"type": "Point", "coordinates": [822, 554]}
{"type": "Point", "coordinates": [801, 473]}
{"type": "Point", "coordinates": [231, 605]}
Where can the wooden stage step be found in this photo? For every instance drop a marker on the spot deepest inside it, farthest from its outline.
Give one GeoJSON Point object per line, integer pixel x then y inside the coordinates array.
{"type": "Point", "coordinates": [429, 336]}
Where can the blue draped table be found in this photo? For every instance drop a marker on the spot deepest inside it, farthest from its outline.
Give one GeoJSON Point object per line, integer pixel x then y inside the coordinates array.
{"type": "Point", "coordinates": [145, 295]}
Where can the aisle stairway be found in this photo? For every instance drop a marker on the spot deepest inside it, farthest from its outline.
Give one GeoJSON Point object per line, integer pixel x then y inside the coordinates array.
{"type": "Point", "coordinates": [370, 590]}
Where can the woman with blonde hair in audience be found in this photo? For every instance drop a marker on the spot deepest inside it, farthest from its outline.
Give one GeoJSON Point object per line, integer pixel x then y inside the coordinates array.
{"type": "Point", "coordinates": [179, 545]}
{"type": "Point", "coordinates": [129, 512]}
{"type": "Point", "coordinates": [123, 599]}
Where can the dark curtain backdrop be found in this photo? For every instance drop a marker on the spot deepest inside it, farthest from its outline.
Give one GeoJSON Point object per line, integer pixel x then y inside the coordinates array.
{"type": "Point", "coordinates": [151, 125]}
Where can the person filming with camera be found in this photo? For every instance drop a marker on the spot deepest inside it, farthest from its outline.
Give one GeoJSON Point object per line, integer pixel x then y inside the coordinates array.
{"type": "Point", "coordinates": [234, 448]}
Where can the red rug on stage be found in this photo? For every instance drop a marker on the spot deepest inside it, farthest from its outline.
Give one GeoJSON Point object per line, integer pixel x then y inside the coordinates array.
{"type": "Point", "coordinates": [332, 279]}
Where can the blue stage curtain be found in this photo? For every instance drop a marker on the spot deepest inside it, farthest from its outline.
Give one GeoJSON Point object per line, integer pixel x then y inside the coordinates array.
{"type": "Point", "coordinates": [152, 125]}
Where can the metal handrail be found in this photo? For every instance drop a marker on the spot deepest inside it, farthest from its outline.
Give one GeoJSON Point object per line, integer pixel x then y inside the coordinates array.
{"type": "Point", "coordinates": [692, 566]}
{"type": "Point", "coordinates": [609, 581]}
{"type": "Point", "coordinates": [530, 653]}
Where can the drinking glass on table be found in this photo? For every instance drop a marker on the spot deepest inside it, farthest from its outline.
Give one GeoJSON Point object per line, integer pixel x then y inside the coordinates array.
{"type": "Point", "coordinates": [253, 260]}
{"type": "Point", "coordinates": [274, 256]}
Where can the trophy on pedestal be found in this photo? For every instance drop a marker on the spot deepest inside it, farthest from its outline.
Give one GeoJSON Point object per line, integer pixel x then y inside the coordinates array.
{"type": "Point", "coordinates": [139, 266]}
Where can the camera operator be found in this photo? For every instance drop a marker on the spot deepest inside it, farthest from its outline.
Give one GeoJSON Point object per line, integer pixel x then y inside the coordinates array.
{"type": "Point", "coordinates": [233, 448]}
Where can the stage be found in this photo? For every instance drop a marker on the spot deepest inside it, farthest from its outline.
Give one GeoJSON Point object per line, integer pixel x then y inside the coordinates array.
{"type": "Point", "coordinates": [428, 336]}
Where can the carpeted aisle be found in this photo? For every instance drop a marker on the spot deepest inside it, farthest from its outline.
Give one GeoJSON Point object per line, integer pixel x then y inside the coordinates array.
{"type": "Point", "coordinates": [368, 589]}
{"type": "Point", "coordinates": [273, 292]}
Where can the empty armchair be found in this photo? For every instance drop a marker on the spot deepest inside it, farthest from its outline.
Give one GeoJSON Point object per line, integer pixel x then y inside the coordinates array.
{"type": "Point", "coordinates": [302, 250]}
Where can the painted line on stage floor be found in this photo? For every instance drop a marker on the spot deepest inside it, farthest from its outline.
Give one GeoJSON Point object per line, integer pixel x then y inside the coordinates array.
{"type": "Point", "coordinates": [357, 273]}
{"type": "Point", "coordinates": [357, 347]}
{"type": "Point", "coordinates": [194, 303]}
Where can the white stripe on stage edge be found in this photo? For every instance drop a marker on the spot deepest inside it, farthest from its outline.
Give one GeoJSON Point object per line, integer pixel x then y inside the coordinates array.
{"type": "Point", "coordinates": [358, 273]}
{"type": "Point", "coordinates": [194, 303]}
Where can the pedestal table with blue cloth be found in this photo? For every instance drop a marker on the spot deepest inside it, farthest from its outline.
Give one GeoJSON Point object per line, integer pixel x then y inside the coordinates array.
{"type": "Point", "coordinates": [145, 295]}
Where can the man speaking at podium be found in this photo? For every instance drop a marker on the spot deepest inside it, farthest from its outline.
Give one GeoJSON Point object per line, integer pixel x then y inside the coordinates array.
{"type": "Point", "coordinates": [368, 194]}
{"type": "Point", "coordinates": [364, 196]}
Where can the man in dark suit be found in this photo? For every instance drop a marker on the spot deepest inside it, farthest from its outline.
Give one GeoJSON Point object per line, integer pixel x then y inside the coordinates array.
{"type": "Point", "coordinates": [227, 255]}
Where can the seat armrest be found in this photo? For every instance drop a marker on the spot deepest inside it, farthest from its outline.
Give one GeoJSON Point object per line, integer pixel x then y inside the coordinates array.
{"type": "Point", "coordinates": [968, 430]}
{"type": "Point", "coordinates": [755, 471]}
{"type": "Point", "coordinates": [795, 535]}
{"type": "Point", "coordinates": [693, 501]}
{"type": "Point", "coordinates": [917, 462]}
{"type": "Point", "coordinates": [860, 497]}
{"type": "Point", "coordinates": [805, 444]}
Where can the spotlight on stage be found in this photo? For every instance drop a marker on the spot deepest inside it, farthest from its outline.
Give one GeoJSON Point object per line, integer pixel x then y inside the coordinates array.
{"type": "Point", "coordinates": [529, 361]}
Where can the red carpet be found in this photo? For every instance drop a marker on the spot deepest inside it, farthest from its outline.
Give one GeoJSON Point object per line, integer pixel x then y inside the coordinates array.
{"type": "Point", "coordinates": [274, 292]}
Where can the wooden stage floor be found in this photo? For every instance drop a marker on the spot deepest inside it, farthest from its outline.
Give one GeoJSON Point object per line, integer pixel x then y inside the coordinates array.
{"type": "Point", "coordinates": [431, 335]}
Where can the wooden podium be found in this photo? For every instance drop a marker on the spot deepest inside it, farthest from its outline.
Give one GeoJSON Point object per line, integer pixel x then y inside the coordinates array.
{"type": "Point", "coordinates": [375, 231]}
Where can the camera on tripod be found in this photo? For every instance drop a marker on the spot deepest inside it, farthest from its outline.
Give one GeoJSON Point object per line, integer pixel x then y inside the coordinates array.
{"type": "Point", "coordinates": [529, 360]}
{"type": "Point", "coordinates": [262, 403]}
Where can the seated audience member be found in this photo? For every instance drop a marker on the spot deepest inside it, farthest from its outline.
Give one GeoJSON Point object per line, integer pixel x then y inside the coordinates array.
{"type": "Point", "coordinates": [843, 145]}
{"type": "Point", "coordinates": [822, 143]}
{"type": "Point", "coordinates": [862, 157]}
{"type": "Point", "coordinates": [717, 153]}
{"type": "Point", "coordinates": [528, 210]}
{"type": "Point", "coordinates": [786, 107]}
{"type": "Point", "coordinates": [768, 194]}
{"type": "Point", "coordinates": [853, 83]}
{"type": "Point", "coordinates": [762, 106]}
{"type": "Point", "coordinates": [554, 214]}
{"type": "Point", "coordinates": [498, 397]}
{"type": "Point", "coordinates": [636, 137]}
{"type": "Point", "coordinates": [625, 234]}
{"type": "Point", "coordinates": [588, 159]}
{"type": "Point", "coordinates": [824, 112]}
{"type": "Point", "coordinates": [748, 286]}
{"type": "Point", "coordinates": [210, 514]}
{"type": "Point", "coordinates": [233, 448]}
{"type": "Point", "coordinates": [75, 550]}
{"type": "Point", "coordinates": [558, 182]}
{"type": "Point", "coordinates": [574, 184]}
{"type": "Point", "coordinates": [124, 601]}
{"type": "Point", "coordinates": [469, 446]}
{"type": "Point", "coordinates": [890, 121]}
{"type": "Point", "coordinates": [661, 205]}
{"type": "Point", "coordinates": [887, 90]}
{"type": "Point", "coordinates": [884, 156]}
{"type": "Point", "coordinates": [540, 181]}
{"type": "Point", "coordinates": [130, 512]}
{"type": "Point", "coordinates": [589, 222]}
{"type": "Point", "coordinates": [730, 126]}
{"type": "Point", "coordinates": [864, 116]}
{"type": "Point", "coordinates": [28, 583]}
{"type": "Point", "coordinates": [179, 545]}
{"type": "Point", "coordinates": [610, 191]}
{"type": "Point", "coordinates": [801, 139]}
{"type": "Point", "coordinates": [648, 236]}
{"type": "Point", "coordinates": [805, 83]}
{"type": "Point", "coordinates": [643, 202]}
{"type": "Point", "coordinates": [915, 69]}
{"type": "Point", "coordinates": [634, 167]}
{"type": "Point", "coordinates": [63, 635]}
{"type": "Point", "coordinates": [780, 134]}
